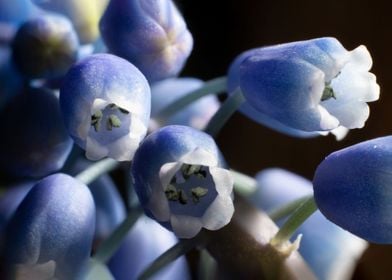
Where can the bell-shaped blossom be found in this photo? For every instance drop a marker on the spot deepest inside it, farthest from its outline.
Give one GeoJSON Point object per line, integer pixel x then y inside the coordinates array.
{"type": "Point", "coordinates": [45, 47]}
{"type": "Point", "coordinates": [353, 189]}
{"type": "Point", "coordinates": [146, 241]}
{"type": "Point", "coordinates": [50, 235]}
{"type": "Point", "coordinates": [105, 102]}
{"type": "Point", "coordinates": [196, 115]}
{"type": "Point", "coordinates": [307, 86]}
{"type": "Point", "coordinates": [330, 251]}
{"type": "Point", "coordinates": [84, 14]}
{"type": "Point", "coordinates": [181, 181]}
{"type": "Point", "coordinates": [151, 34]}
{"type": "Point", "coordinates": [34, 141]}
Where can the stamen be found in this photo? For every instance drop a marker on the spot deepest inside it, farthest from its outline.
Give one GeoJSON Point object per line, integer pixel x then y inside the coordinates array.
{"type": "Point", "coordinates": [197, 193]}
{"type": "Point", "coordinates": [96, 120]}
{"type": "Point", "coordinates": [328, 93]}
{"type": "Point", "coordinates": [171, 193]}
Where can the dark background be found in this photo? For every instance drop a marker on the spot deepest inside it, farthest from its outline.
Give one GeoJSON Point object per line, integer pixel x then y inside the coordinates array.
{"type": "Point", "coordinates": [223, 29]}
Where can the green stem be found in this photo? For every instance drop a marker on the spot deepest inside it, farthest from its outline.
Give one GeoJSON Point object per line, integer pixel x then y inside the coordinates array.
{"type": "Point", "coordinates": [285, 210]}
{"type": "Point", "coordinates": [213, 86]}
{"type": "Point", "coordinates": [243, 184]}
{"type": "Point", "coordinates": [224, 113]}
{"type": "Point", "coordinates": [97, 169]}
{"type": "Point", "coordinates": [304, 211]}
{"type": "Point", "coordinates": [112, 243]}
{"type": "Point", "coordinates": [181, 248]}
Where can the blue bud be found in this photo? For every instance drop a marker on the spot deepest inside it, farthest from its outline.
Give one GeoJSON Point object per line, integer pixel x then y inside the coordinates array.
{"type": "Point", "coordinates": [181, 182]}
{"type": "Point", "coordinates": [50, 234]}
{"type": "Point", "coordinates": [151, 34]}
{"type": "Point", "coordinates": [105, 102]}
{"type": "Point", "coordinates": [352, 188]}
{"type": "Point", "coordinates": [195, 115]}
{"type": "Point", "coordinates": [330, 251]}
{"type": "Point", "coordinates": [45, 47]}
{"type": "Point", "coordinates": [310, 86]}
{"type": "Point", "coordinates": [146, 241]}
{"type": "Point", "coordinates": [34, 141]}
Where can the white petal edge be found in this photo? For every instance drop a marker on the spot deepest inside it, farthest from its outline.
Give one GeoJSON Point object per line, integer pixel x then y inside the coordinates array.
{"type": "Point", "coordinates": [219, 213]}
{"type": "Point", "coordinates": [185, 226]}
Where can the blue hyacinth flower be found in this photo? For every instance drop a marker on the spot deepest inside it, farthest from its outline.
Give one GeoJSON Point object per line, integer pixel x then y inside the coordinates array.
{"type": "Point", "coordinates": [308, 86]}
{"type": "Point", "coordinates": [51, 233]}
{"type": "Point", "coordinates": [151, 34]}
{"type": "Point", "coordinates": [34, 140]}
{"type": "Point", "coordinates": [105, 102]}
{"type": "Point", "coordinates": [45, 47]}
{"type": "Point", "coordinates": [84, 14]}
{"type": "Point", "coordinates": [196, 115]}
{"type": "Point", "coordinates": [330, 251]}
{"type": "Point", "coordinates": [180, 179]}
{"type": "Point", "coordinates": [146, 241]}
{"type": "Point", "coordinates": [352, 188]}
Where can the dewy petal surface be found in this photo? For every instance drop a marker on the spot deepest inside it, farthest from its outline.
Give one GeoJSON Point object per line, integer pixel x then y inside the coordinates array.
{"type": "Point", "coordinates": [352, 188]}
{"type": "Point", "coordinates": [308, 86]}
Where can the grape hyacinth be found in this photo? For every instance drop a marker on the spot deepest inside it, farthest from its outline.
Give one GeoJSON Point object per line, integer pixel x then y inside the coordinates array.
{"type": "Point", "coordinates": [161, 202]}
{"type": "Point", "coordinates": [45, 47]}
{"type": "Point", "coordinates": [105, 102]}
{"type": "Point", "coordinates": [151, 34]}
{"type": "Point", "coordinates": [50, 235]}
{"type": "Point", "coordinates": [352, 188]}
{"type": "Point", "coordinates": [181, 182]}
{"type": "Point", "coordinates": [324, 86]}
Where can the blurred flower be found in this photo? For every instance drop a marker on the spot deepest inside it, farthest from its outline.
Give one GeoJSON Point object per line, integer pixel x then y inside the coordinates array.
{"type": "Point", "coordinates": [105, 102]}
{"type": "Point", "coordinates": [51, 232]}
{"type": "Point", "coordinates": [16, 11]}
{"type": "Point", "coordinates": [144, 243]}
{"type": "Point", "coordinates": [45, 47]}
{"type": "Point", "coordinates": [10, 79]}
{"type": "Point", "coordinates": [181, 182]}
{"type": "Point", "coordinates": [352, 188]}
{"type": "Point", "coordinates": [195, 115]}
{"type": "Point", "coordinates": [308, 86]}
{"type": "Point", "coordinates": [330, 251]}
{"type": "Point", "coordinates": [10, 201]}
{"type": "Point", "coordinates": [151, 34]}
{"type": "Point", "coordinates": [34, 141]}
{"type": "Point", "coordinates": [110, 209]}
{"type": "Point", "coordinates": [84, 14]}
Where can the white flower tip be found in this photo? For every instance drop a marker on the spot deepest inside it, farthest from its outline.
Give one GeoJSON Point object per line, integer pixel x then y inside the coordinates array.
{"type": "Point", "coordinates": [361, 58]}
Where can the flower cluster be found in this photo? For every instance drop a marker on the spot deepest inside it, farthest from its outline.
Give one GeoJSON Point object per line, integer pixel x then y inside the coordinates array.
{"type": "Point", "coordinates": [104, 75]}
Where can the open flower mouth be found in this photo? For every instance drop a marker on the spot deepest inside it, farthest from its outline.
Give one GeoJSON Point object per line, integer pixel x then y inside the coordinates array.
{"type": "Point", "coordinates": [191, 190]}
{"type": "Point", "coordinates": [193, 193]}
{"type": "Point", "coordinates": [109, 131]}
{"type": "Point", "coordinates": [346, 94]}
